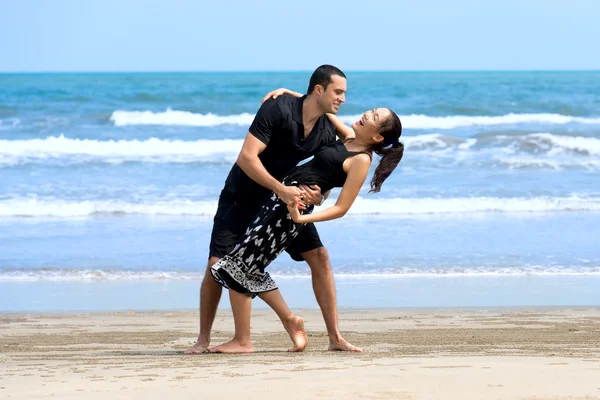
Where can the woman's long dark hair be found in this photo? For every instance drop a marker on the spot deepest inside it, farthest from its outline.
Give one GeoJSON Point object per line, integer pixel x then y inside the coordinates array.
{"type": "Point", "coordinates": [390, 150]}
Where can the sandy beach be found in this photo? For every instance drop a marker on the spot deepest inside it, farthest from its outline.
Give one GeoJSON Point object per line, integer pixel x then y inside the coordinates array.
{"type": "Point", "coordinates": [522, 353]}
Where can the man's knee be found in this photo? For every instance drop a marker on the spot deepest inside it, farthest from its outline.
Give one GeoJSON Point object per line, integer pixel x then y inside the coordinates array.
{"type": "Point", "coordinates": [212, 261]}
{"type": "Point", "coordinates": [208, 278]}
{"type": "Point", "coordinates": [317, 259]}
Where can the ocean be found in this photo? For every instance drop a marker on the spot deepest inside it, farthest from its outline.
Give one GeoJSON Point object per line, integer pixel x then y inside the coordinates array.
{"type": "Point", "coordinates": [109, 182]}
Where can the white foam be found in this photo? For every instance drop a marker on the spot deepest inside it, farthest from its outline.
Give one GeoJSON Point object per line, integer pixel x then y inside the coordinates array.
{"type": "Point", "coordinates": [528, 162]}
{"type": "Point", "coordinates": [174, 117]}
{"type": "Point", "coordinates": [467, 144]}
{"type": "Point", "coordinates": [363, 273]}
{"type": "Point", "coordinates": [431, 141]}
{"type": "Point", "coordinates": [25, 207]}
{"type": "Point", "coordinates": [69, 275]}
{"type": "Point", "coordinates": [413, 121]}
{"type": "Point", "coordinates": [457, 121]}
{"type": "Point", "coordinates": [557, 144]}
{"type": "Point", "coordinates": [472, 205]}
{"type": "Point", "coordinates": [149, 150]}
{"type": "Point", "coordinates": [13, 152]}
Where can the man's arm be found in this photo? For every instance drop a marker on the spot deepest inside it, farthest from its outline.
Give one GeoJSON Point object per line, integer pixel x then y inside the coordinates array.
{"type": "Point", "coordinates": [258, 137]}
{"type": "Point", "coordinates": [249, 162]}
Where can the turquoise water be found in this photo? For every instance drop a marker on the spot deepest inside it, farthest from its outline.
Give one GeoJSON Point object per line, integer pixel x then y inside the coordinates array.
{"type": "Point", "coordinates": [112, 180]}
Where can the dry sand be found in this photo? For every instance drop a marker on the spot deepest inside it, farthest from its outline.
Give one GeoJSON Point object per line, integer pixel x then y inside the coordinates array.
{"type": "Point", "coordinates": [409, 354]}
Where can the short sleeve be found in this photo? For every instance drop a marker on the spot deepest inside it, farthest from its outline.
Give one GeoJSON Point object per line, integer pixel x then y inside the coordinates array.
{"type": "Point", "coordinates": [266, 120]}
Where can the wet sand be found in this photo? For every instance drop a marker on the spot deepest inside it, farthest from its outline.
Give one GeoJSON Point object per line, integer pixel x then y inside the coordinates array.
{"type": "Point", "coordinates": [497, 353]}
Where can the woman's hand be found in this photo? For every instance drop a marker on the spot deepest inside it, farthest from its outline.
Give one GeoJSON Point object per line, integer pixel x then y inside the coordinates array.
{"type": "Point", "coordinates": [294, 212]}
{"type": "Point", "coordinates": [278, 92]}
{"type": "Point", "coordinates": [274, 94]}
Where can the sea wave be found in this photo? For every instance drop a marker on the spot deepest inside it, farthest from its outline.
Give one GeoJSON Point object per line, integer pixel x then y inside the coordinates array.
{"type": "Point", "coordinates": [14, 152]}
{"type": "Point", "coordinates": [9, 123]}
{"type": "Point", "coordinates": [64, 150]}
{"type": "Point", "coordinates": [36, 207]}
{"type": "Point", "coordinates": [413, 121]}
{"type": "Point", "coordinates": [362, 273]}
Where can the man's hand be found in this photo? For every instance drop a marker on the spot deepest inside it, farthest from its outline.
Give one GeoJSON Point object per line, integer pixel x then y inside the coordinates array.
{"type": "Point", "coordinates": [311, 194]}
{"type": "Point", "coordinates": [289, 194]}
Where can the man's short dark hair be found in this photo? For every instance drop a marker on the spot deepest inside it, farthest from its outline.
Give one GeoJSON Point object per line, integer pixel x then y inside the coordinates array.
{"type": "Point", "coordinates": [322, 76]}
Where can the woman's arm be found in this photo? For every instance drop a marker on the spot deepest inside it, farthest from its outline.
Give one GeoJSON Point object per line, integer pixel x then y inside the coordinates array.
{"type": "Point", "coordinates": [278, 92]}
{"type": "Point", "coordinates": [358, 169]}
{"type": "Point", "coordinates": [344, 132]}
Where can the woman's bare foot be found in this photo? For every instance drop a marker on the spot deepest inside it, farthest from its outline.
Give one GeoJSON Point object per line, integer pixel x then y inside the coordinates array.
{"type": "Point", "coordinates": [295, 328]}
{"type": "Point", "coordinates": [234, 346]}
{"type": "Point", "coordinates": [198, 348]}
{"type": "Point", "coordinates": [343, 345]}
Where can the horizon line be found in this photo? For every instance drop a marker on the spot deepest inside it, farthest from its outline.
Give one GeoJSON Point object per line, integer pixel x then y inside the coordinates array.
{"type": "Point", "coordinates": [285, 71]}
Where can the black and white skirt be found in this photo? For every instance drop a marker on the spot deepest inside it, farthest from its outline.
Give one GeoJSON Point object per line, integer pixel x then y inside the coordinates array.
{"type": "Point", "coordinates": [243, 270]}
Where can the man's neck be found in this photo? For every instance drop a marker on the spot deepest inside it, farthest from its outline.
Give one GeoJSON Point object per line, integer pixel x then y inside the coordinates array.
{"type": "Point", "coordinates": [310, 110]}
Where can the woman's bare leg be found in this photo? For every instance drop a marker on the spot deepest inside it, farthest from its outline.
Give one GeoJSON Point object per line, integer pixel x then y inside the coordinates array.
{"type": "Point", "coordinates": [293, 324]}
{"type": "Point", "coordinates": [241, 305]}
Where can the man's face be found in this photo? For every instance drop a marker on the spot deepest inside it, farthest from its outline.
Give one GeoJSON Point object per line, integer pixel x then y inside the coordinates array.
{"type": "Point", "coordinates": [331, 99]}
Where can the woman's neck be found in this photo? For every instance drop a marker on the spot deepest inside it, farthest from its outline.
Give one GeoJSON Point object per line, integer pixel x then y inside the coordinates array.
{"type": "Point", "coordinates": [356, 144]}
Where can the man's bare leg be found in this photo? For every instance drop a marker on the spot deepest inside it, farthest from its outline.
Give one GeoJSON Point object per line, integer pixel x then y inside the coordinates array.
{"type": "Point", "coordinates": [324, 288]}
{"type": "Point", "coordinates": [210, 295]}
{"type": "Point", "coordinates": [241, 305]}
{"type": "Point", "coordinates": [293, 324]}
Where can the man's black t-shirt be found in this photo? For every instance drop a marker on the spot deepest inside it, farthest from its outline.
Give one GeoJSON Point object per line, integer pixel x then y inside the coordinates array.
{"type": "Point", "coordinates": [279, 125]}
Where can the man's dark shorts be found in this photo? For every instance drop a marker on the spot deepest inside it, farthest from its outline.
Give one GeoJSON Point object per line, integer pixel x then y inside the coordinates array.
{"type": "Point", "coordinates": [232, 219]}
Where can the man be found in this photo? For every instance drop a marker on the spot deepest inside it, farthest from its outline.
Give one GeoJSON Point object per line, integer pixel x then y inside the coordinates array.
{"type": "Point", "coordinates": [285, 131]}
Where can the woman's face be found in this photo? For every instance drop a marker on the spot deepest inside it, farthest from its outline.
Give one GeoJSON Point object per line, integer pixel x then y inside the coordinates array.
{"type": "Point", "coordinates": [370, 122]}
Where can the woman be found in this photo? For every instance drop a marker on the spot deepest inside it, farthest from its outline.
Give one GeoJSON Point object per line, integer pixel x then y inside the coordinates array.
{"type": "Point", "coordinates": [341, 164]}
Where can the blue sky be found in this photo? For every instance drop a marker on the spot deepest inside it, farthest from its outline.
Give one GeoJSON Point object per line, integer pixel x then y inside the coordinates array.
{"type": "Point", "coordinates": [283, 35]}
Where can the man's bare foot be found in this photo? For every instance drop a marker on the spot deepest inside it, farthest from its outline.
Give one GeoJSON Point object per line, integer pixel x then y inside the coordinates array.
{"type": "Point", "coordinates": [234, 346]}
{"type": "Point", "coordinates": [343, 345]}
{"type": "Point", "coordinates": [197, 348]}
{"type": "Point", "coordinates": [295, 328]}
